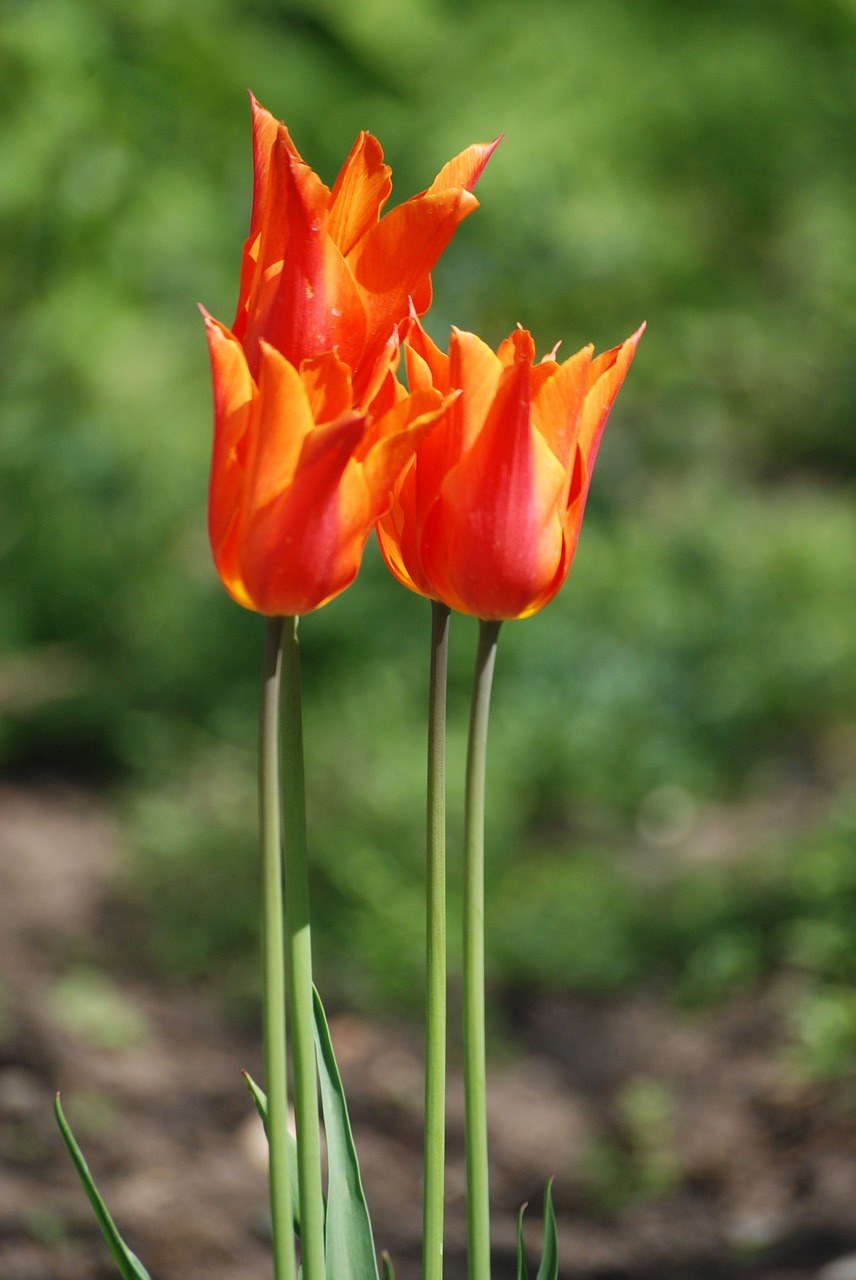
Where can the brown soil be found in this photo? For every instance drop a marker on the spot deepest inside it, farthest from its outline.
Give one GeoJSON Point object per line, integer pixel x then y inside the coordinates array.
{"type": "Point", "coordinates": [682, 1147]}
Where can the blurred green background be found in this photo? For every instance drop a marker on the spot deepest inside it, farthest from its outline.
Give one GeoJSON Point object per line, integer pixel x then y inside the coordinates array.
{"type": "Point", "coordinates": [674, 741]}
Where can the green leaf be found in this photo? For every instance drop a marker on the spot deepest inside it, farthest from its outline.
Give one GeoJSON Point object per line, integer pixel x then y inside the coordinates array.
{"type": "Point", "coordinates": [127, 1262]}
{"type": "Point", "coordinates": [350, 1252]}
{"type": "Point", "coordinates": [260, 1099]}
{"type": "Point", "coordinates": [549, 1268]}
{"type": "Point", "coordinates": [386, 1265]}
{"type": "Point", "coordinates": [522, 1273]}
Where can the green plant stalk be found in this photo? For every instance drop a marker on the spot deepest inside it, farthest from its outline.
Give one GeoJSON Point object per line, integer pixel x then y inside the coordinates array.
{"type": "Point", "coordinates": [435, 925]}
{"type": "Point", "coordinates": [299, 966]}
{"type": "Point", "coordinates": [475, 1082]}
{"type": "Point", "coordinates": [273, 953]}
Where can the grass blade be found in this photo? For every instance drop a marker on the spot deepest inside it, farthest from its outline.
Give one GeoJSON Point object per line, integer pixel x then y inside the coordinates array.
{"type": "Point", "coordinates": [260, 1099]}
{"type": "Point", "coordinates": [522, 1273]}
{"type": "Point", "coordinates": [549, 1268]}
{"type": "Point", "coordinates": [350, 1253]}
{"type": "Point", "coordinates": [127, 1262]}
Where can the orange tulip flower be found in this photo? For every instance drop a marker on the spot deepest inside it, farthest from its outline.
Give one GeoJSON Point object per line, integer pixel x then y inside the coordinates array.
{"type": "Point", "coordinates": [321, 269]}
{"type": "Point", "coordinates": [486, 514]}
{"type": "Point", "coordinates": [310, 425]}
{"type": "Point", "coordinates": [300, 470]}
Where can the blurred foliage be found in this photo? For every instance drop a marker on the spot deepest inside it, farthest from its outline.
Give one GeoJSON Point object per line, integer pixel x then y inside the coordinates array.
{"type": "Point", "coordinates": [690, 165]}
{"type": "Point", "coordinates": [86, 1004]}
{"type": "Point", "coordinates": [639, 1162]}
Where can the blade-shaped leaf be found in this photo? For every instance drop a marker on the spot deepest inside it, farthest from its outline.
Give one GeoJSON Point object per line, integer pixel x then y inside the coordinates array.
{"type": "Point", "coordinates": [386, 1266]}
{"type": "Point", "coordinates": [549, 1268]}
{"type": "Point", "coordinates": [522, 1273]}
{"type": "Point", "coordinates": [127, 1262]}
{"type": "Point", "coordinates": [348, 1232]}
{"type": "Point", "coordinates": [260, 1099]}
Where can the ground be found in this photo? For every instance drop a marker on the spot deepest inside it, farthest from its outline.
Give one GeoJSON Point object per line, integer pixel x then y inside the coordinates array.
{"type": "Point", "coordinates": [683, 1146]}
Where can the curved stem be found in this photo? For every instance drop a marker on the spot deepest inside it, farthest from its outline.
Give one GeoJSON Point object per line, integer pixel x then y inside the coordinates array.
{"type": "Point", "coordinates": [273, 953]}
{"type": "Point", "coordinates": [435, 1011]}
{"type": "Point", "coordinates": [475, 1087]}
{"type": "Point", "coordinates": [299, 944]}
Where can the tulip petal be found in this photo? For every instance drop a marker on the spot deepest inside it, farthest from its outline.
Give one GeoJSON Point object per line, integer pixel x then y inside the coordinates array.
{"type": "Point", "coordinates": [359, 193]}
{"type": "Point", "coordinates": [393, 261]}
{"type": "Point", "coordinates": [266, 249]}
{"type": "Point", "coordinates": [327, 382]}
{"type": "Point", "coordinates": [398, 417]}
{"type": "Point", "coordinates": [606, 375]}
{"type": "Point", "coordinates": [478, 370]}
{"type": "Point", "coordinates": [558, 401]}
{"type": "Point", "coordinates": [305, 546]}
{"type": "Point", "coordinates": [474, 367]}
{"type": "Point", "coordinates": [234, 392]}
{"type": "Point", "coordinates": [305, 301]}
{"type": "Point", "coordinates": [578, 481]}
{"type": "Point", "coordinates": [375, 384]}
{"type": "Point", "coordinates": [399, 535]}
{"type": "Point", "coordinates": [493, 541]}
{"type": "Point", "coordinates": [284, 422]}
{"type": "Point", "coordinates": [426, 364]}
{"type": "Point", "coordinates": [465, 169]}
{"type": "Point", "coordinates": [267, 131]}
{"type": "Point", "coordinates": [518, 346]}
{"type": "Point", "coordinates": [392, 442]}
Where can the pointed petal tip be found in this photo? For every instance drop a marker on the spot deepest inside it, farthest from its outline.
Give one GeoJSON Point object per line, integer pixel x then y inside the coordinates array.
{"type": "Point", "coordinates": [484, 150]}
{"type": "Point", "coordinates": [464, 170]}
{"type": "Point", "coordinates": [367, 137]}
{"type": "Point", "coordinates": [272, 355]}
{"type": "Point", "coordinates": [215, 329]}
{"type": "Point", "coordinates": [256, 108]}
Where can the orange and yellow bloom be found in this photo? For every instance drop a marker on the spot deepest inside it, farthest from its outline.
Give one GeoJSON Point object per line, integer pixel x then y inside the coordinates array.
{"type": "Point", "coordinates": [310, 427]}
{"type": "Point", "coordinates": [486, 514]}
{"type": "Point", "coordinates": [322, 270]}
{"type": "Point", "coordinates": [300, 471]}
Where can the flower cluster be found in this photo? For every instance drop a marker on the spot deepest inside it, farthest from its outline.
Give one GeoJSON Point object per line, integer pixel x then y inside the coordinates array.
{"type": "Point", "coordinates": [475, 475]}
{"type": "Point", "coordinates": [474, 471]}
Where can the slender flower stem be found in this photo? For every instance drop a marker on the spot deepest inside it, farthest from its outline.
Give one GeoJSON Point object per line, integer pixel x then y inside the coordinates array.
{"type": "Point", "coordinates": [475, 1090]}
{"type": "Point", "coordinates": [435, 1012]}
{"type": "Point", "coordinates": [296, 885]}
{"type": "Point", "coordinates": [273, 953]}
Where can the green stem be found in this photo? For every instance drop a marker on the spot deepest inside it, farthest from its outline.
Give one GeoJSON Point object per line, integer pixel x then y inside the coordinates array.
{"type": "Point", "coordinates": [273, 953]}
{"type": "Point", "coordinates": [475, 1090]}
{"type": "Point", "coordinates": [299, 943]}
{"type": "Point", "coordinates": [435, 1011]}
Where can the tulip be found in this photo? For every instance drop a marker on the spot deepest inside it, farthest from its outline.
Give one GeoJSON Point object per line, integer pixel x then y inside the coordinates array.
{"type": "Point", "coordinates": [321, 269]}
{"type": "Point", "coordinates": [301, 470]}
{"type": "Point", "coordinates": [486, 515]}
